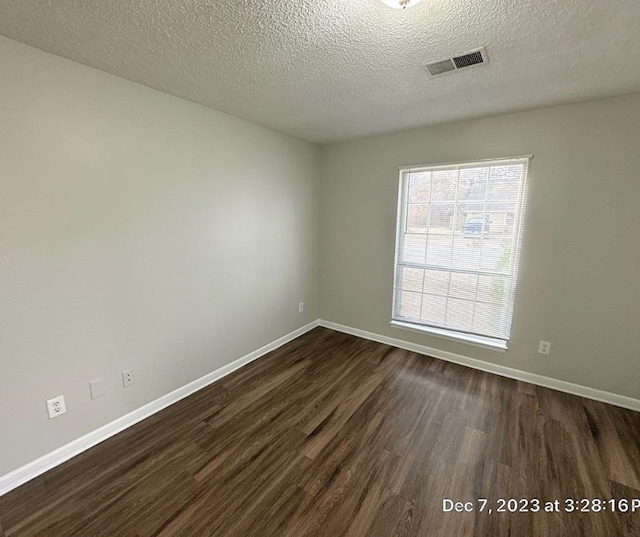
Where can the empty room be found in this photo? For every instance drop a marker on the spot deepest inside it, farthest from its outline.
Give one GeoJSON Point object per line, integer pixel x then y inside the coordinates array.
{"type": "Point", "coordinates": [319, 268]}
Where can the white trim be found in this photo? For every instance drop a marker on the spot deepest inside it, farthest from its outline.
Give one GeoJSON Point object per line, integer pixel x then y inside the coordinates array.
{"type": "Point", "coordinates": [504, 371]}
{"type": "Point", "coordinates": [37, 467]}
{"type": "Point", "coordinates": [33, 469]}
{"type": "Point", "coordinates": [498, 345]}
{"type": "Point", "coordinates": [502, 330]}
{"type": "Point", "coordinates": [463, 164]}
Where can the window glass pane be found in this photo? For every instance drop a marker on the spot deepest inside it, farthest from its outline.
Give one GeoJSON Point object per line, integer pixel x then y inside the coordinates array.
{"type": "Point", "coordinates": [434, 309]}
{"type": "Point", "coordinates": [436, 282]}
{"type": "Point", "coordinates": [409, 306]}
{"type": "Point", "coordinates": [463, 285]}
{"type": "Point", "coordinates": [467, 252]}
{"type": "Point", "coordinates": [419, 187]}
{"type": "Point", "coordinates": [417, 218]}
{"type": "Point", "coordinates": [486, 318]}
{"type": "Point", "coordinates": [439, 250]}
{"type": "Point", "coordinates": [411, 279]}
{"type": "Point", "coordinates": [496, 255]}
{"type": "Point", "coordinates": [414, 248]}
{"type": "Point", "coordinates": [491, 289]}
{"type": "Point", "coordinates": [472, 190]}
{"type": "Point", "coordinates": [459, 314]}
{"type": "Point", "coordinates": [444, 185]}
{"type": "Point", "coordinates": [441, 218]}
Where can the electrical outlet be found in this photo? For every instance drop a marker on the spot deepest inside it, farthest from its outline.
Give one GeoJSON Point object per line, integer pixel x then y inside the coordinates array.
{"type": "Point", "coordinates": [544, 347]}
{"type": "Point", "coordinates": [301, 307]}
{"type": "Point", "coordinates": [97, 388]}
{"type": "Point", "coordinates": [127, 378]}
{"type": "Point", "coordinates": [56, 407]}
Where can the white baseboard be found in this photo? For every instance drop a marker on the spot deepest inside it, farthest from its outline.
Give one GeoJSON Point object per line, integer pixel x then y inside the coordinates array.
{"type": "Point", "coordinates": [517, 374]}
{"type": "Point", "coordinates": [33, 469]}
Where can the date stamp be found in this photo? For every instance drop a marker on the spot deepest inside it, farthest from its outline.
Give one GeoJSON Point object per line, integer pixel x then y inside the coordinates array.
{"type": "Point", "coordinates": [536, 505]}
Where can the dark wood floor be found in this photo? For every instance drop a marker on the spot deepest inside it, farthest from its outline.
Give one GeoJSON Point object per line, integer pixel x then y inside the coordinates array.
{"type": "Point", "coordinates": [332, 435]}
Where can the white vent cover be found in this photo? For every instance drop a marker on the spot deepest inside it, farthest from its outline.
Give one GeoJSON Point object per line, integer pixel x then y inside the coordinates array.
{"type": "Point", "coordinates": [475, 57]}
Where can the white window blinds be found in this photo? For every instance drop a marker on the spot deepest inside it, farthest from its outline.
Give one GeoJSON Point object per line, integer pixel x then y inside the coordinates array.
{"type": "Point", "coordinates": [458, 246]}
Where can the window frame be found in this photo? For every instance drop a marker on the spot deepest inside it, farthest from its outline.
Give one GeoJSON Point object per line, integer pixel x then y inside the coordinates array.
{"type": "Point", "coordinates": [484, 341]}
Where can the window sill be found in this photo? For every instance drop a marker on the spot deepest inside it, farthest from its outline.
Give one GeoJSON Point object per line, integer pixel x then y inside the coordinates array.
{"type": "Point", "coordinates": [460, 337]}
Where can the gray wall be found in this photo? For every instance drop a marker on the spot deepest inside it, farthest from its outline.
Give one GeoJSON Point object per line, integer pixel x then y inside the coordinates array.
{"type": "Point", "coordinates": [137, 230]}
{"type": "Point", "coordinates": [579, 284]}
{"type": "Point", "coordinates": [141, 231]}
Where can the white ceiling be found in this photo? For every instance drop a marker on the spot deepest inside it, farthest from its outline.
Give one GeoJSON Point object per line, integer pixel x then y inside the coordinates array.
{"type": "Point", "coordinates": [330, 70]}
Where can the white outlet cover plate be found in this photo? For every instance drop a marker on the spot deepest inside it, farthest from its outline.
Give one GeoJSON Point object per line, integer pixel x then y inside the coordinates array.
{"type": "Point", "coordinates": [56, 407]}
{"type": "Point", "coordinates": [544, 347]}
{"type": "Point", "coordinates": [97, 388]}
{"type": "Point", "coordinates": [127, 378]}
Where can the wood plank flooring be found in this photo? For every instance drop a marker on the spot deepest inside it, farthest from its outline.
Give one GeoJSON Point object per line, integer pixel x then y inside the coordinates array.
{"type": "Point", "coordinates": [332, 435]}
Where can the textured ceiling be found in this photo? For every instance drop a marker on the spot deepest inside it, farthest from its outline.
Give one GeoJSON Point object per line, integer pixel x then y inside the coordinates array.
{"type": "Point", "coordinates": [330, 70]}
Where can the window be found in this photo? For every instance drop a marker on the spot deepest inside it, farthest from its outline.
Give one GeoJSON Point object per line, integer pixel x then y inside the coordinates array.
{"type": "Point", "coordinates": [457, 249]}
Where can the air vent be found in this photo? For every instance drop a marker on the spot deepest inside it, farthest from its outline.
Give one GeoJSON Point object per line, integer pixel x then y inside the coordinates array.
{"type": "Point", "coordinates": [468, 60]}
{"type": "Point", "coordinates": [438, 68]}
{"type": "Point", "coordinates": [476, 57]}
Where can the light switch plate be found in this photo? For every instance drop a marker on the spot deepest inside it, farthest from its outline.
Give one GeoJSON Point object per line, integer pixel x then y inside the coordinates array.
{"type": "Point", "coordinates": [97, 388]}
